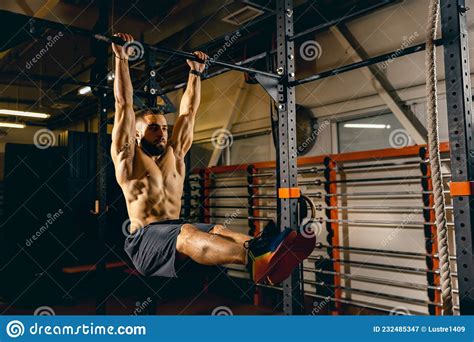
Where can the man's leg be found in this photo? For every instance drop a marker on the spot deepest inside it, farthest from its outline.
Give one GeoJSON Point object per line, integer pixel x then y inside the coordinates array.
{"type": "Point", "coordinates": [209, 249]}
{"type": "Point", "coordinates": [234, 236]}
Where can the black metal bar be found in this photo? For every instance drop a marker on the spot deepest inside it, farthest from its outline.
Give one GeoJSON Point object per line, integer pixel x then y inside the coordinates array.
{"type": "Point", "coordinates": [374, 280]}
{"type": "Point", "coordinates": [365, 63]}
{"type": "Point", "coordinates": [385, 194]}
{"type": "Point", "coordinates": [319, 182]}
{"type": "Point", "coordinates": [402, 269]}
{"type": "Point", "coordinates": [220, 72]}
{"type": "Point", "coordinates": [364, 305]}
{"type": "Point", "coordinates": [388, 208]}
{"type": "Point", "coordinates": [373, 293]}
{"type": "Point", "coordinates": [374, 251]}
{"type": "Point", "coordinates": [384, 165]}
{"type": "Point", "coordinates": [377, 223]}
{"type": "Point", "coordinates": [461, 125]}
{"type": "Point", "coordinates": [103, 37]}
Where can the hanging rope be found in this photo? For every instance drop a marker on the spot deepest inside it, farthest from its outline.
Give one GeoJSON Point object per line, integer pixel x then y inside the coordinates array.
{"type": "Point", "coordinates": [434, 154]}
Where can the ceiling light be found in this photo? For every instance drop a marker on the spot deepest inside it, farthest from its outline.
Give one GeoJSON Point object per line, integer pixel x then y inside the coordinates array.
{"type": "Point", "coordinates": [85, 90]}
{"type": "Point", "coordinates": [361, 125]}
{"type": "Point", "coordinates": [11, 125]}
{"type": "Point", "coordinates": [22, 113]}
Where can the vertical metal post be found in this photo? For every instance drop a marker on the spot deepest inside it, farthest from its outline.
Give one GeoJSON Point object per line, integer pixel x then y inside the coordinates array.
{"type": "Point", "coordinates": [254, 226]}
{"type": "Point", "coordinates": [204, 200]}
{"type": "Point", "coordinates": [152, 84]}
{"type": "Point", "coordinates": [99, 76]}
{"type": "Point", "coordinates": [251, 181]}
{"type": "Point", "coordinates": [286, 149]}
{"type": "Point", "coordinates": [333, 234]}
{"type": "Point", "coordinates": [460, 123]}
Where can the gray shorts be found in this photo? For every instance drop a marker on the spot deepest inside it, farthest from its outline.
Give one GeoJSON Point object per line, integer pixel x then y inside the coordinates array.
{"type": "Point", "coordinates": [152, 249]}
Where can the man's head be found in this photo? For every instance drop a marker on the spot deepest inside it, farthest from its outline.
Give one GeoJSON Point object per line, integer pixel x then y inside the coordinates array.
{"type": "Point", "coordinates": [152, 132]}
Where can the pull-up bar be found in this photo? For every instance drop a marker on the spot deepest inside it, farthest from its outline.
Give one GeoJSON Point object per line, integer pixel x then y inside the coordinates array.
{"type": "Point", "coordinates": [34, 24]}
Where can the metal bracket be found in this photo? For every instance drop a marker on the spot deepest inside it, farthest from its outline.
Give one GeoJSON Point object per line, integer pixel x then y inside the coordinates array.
{"type": "Point", "coordinates": [270, 85]}
{"type": "Point", "coordinates": [153, 89]}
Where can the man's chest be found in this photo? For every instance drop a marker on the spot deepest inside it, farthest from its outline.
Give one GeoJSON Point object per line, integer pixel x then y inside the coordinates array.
{"type": "Point", "coordinates": [163, 172]}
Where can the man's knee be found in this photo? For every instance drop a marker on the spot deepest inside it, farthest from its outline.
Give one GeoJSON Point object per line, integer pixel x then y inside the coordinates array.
{"type": "Point", "coordinates": [184, 237]}
{"type": "Point", "coordinates": [217, 229]}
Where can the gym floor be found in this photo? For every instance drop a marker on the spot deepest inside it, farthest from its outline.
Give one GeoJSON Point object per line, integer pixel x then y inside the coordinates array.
{"type": "Point", "coordinates": [360, 137]}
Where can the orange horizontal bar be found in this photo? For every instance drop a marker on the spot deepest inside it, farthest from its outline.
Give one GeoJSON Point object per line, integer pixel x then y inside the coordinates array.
{"type": "Point", "coordinates": [88, 268]}
{"type": "Point", "coordinates": [341, 157]}
{"type": "Point", "coordinates": [461, 188]}
{"type": "Point", "coordinates": [289, 193]}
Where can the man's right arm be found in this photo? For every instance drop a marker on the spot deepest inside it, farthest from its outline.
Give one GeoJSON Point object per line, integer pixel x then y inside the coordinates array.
{"type": "Point", "coordinates": [124, 130]}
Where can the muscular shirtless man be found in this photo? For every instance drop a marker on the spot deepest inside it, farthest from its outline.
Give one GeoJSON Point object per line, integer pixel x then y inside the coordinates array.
{"type": "Point", "coordinates": [150, 169]}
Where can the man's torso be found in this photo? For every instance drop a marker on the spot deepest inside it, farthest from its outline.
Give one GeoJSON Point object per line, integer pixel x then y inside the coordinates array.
{"type": "Point", "coordinates": [153, 192]}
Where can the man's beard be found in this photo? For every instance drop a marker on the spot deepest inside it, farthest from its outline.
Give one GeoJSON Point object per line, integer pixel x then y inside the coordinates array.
{"type": "Point", "coordinates": [152, 149]}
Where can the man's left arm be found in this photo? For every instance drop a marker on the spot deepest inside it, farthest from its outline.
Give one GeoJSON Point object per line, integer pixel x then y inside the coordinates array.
{"type": "Point", "coordinates": [183, 131]}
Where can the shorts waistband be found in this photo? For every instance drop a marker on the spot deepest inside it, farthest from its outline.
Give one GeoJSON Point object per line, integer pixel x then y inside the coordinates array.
{"type": "Point", "coordinates": [176, 221]}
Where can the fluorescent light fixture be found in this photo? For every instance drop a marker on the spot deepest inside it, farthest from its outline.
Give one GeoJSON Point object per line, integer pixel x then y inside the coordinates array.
{"type": "Point", "coordinates": [11, 125]}
{"type": "Point", "coordinates": [362, 125]}
{"type": "Point", "coordinates": [22, 113]}
{"type": "Point", "coordinates": [85, 90]}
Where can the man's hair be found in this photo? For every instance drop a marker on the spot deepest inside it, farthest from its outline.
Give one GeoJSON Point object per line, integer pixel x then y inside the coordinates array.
{"type": "Point", "coordinates": [145, 111]}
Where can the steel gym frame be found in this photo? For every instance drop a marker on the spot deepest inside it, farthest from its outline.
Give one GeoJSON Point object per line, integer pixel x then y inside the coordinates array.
{"type": "Point", "coordinates": [281, 87]}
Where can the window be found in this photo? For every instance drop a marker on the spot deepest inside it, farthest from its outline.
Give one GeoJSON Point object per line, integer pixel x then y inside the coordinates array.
{"type": "Point", "coordinates": [241, 149]}
{"type": "Point", "coordinates": [372, 133]}
{"type": "Point", "coordinates": [251, 149]}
